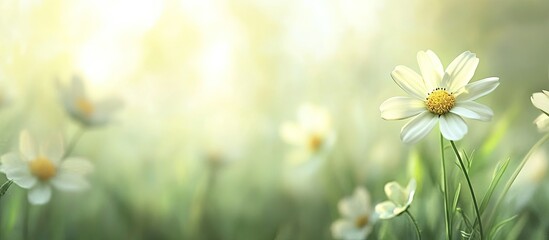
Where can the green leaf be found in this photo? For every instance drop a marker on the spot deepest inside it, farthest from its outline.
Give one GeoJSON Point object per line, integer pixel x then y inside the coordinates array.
{"type": "Point", "coordinates": [456, 198]}
{"type": "Point", "coordinates": [500, 225]}
{"type": "Point", "coordinates": [496, 177]}
{"type": "Point", "coordinates": [465, 234]}
{"type": "Point", "coordinates": [469, 159]}
{"type": "Point", "coordinates": [4, 188]}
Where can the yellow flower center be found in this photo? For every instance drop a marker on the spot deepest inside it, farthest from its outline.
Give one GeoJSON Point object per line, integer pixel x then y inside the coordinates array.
{"type": "Point", "coordinates": [315, 141]}
{"type": "Point", "coordinates": [42, 168]}
{"type": "Point", "coordinates": [361, 221]}
{"type": "Point", "coordinates": [85, 106]}
{"type": "Point", "coordinates": [440, 101]}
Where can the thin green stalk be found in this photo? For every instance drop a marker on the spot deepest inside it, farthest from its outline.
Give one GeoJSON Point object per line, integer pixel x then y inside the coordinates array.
{"type": "Point", "coordinates": [415, 223]}
{"type": "Point", "coordinates": [445, 191]}
{"type": "Point", "coordinates": [464, 170]}
{"type": "Point", "coordinates": [519, 168]}
{"type": "Point", "coordinates": [73, 141]}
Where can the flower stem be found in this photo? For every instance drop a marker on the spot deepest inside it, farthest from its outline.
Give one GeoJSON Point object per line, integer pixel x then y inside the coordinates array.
{"type": "Point", "coordinates": [470, 188]}
{"type": "Point", "coordinates": [73, 141]}
{"type": "Point", "coordinates": [445, 191]}
{"type": "Point", "coordinates": [418, 232]}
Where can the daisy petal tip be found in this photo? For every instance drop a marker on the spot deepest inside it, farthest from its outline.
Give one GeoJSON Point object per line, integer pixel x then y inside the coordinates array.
{"type": "Point", "coordinates": [408, 140]}
{"type": "Point", "coordinates": [454, 137]}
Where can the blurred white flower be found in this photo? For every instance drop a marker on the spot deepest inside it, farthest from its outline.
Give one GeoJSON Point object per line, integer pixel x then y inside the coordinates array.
{"type": "Point", "coordinates": [541, 101]}
{"type": "Point", "coordinates": [311, 134]}
{"type": "Point", "coordinates": [399, 199]}
{"type": "Point", "coordinates": [438, 96]}
{"type": "Point", "coordinates": [37, 168]}
{"type": "Point", "coordinates": [357, 221]}
{"type": "Point", "coordinates": [82, 108]}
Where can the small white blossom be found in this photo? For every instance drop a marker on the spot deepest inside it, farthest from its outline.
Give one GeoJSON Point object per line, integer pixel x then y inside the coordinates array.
{"type": "Point", "coordinates": [311, 134]}
{"type": "Point", "coordinates": [541, 101]}
{"type": "Point", "coordinates": [39, 167]}
{"type": "Point", "coordinates": [79, 105]}
{"type": "Point", "coordinates": [358, 220]}
{"type": "Point", "coordinates": [399, 199]}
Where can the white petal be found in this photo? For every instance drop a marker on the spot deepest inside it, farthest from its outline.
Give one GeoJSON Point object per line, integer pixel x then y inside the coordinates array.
{"type": "Point", "coordinates": [11, 160]}
{"type": "Point", "coordinates": [346, 229]}
{"type": "Point", "coordinates": [418, 127]}
{"type": "Point", "coordinates": [475, 90]}
{"type": "Point", "coordinates": [409, 81]}
{"type": "Point", "coordinates": [340, 227]}
{"type": "Point", "coordinates": [349, 207]}
{"type": "Point", "coordinates": [473, 110]}
{"type": "Point", "coordinates": [542, 122]}
{"type": "Point", "coordinates": [541, 101]}
{"type": "Point", "coordinates": [23, 179]}
{"type": "Point", "coordinates": [431, 69]}
{"type": "Point", "coordinates": [40, 194]}
{"type": "Point", "coordinates": [17, 170]}
{"type": "Point", "coordinates": [53, 149]}
{"type": "Point", "coordinates": [411, 191]}
{"type": "Point", "coordinates": [386, 210]}
{"type": "Point", "coordinates": [312, 118]}
{"type": "Point", "coordinates": [69, 182]}
{"type": "Point", "coordinates": [397, 108]}
{"type": "Point", "coordinates": [356, 205]}
{"type": "Point", "coordinates": [460, 71]}
{"type": "Point", "coordinates": [76, 165]}
{"type": "Point", "coordinates": [362, 196]}
{"type": "Point", "coordinates": [396, 193]}
{"type": "Point", "coordinates": [452, 126]}
{"type": "Point", "coordinates": [27, 145]}
{"type": "Point", "coordinates": [292, 133]}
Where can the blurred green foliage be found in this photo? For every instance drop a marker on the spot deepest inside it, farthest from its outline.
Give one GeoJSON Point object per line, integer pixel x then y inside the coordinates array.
{"type": "Point", "coordinates": [196, 151]}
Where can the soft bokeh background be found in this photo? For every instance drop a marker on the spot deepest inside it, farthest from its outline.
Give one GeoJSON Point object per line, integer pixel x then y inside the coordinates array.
{"type": "Point", "coordinates": [196, 153]}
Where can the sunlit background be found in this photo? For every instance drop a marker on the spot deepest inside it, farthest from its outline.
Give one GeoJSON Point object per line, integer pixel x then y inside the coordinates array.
{"type": "Point", "coordinates": [196, 151]}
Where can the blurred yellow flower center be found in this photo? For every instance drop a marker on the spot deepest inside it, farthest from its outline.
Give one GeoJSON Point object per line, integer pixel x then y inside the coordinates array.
{"type": "Point", "coordinates": [361, 221]}
{"type": "Point", "coordinates": [315, 141]}
{"type": "Point", "coordinates": [85, 106]}
{"type": "Point", "coordinates": [42, 168]}
{"type": "Point", "coordinates": [440, 101]}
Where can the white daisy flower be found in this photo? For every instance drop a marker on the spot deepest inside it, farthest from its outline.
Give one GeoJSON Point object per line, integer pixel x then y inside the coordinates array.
{"type": "Point", "coordinates": [399, 199]}
{"type": "Point", "coordinates": [37, 168]}
{"type": "Point", "coordinates": [541, 101]}
{"type": "Point", "coordinates": [82, 108]}
{"type": "Point", "coordinates": [357, 221]}
{"type": "Point", "coordinates": [438, 95]}
{"type": "Point", "coordinates": [311, 134]}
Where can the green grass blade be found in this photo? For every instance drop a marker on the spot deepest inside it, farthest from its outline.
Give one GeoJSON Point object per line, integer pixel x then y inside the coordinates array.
{"type": "Point", "coordinates": [4, 188]}
{"type": "Point", "coordinates": [469, 233]}
{"type": "Point", "coordinates": [517, 171]}
{"type": "Point", "coordinates": [496, 178]}
{"type": "Point", "coordinates": [500, 225]}
{"type": "Point", "coordinates": [456, 198]}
